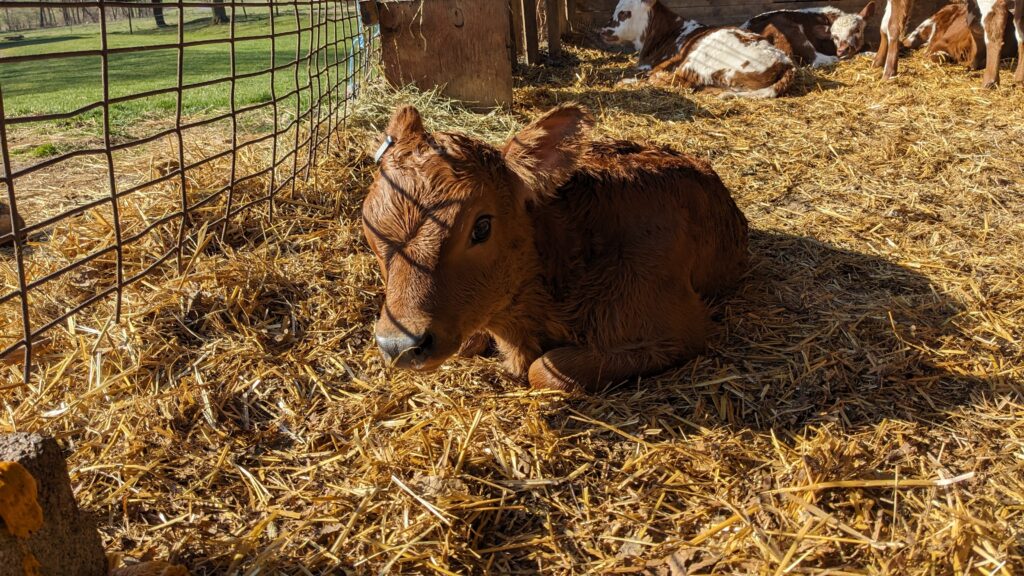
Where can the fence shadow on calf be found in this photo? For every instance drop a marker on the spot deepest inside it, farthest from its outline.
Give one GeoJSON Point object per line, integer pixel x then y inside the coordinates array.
{"type": "Point", "coordinates": [815, 334]}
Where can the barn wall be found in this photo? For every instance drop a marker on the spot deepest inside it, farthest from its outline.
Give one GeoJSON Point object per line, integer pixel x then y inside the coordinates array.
{"type": "Point", "coordinates": [594, 13]}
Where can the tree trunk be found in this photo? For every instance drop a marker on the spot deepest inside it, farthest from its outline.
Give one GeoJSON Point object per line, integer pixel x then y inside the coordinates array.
{"type": "Point", "coordinates": [220, 16]}
{"type": "Point", "coordinates": [158, 14]}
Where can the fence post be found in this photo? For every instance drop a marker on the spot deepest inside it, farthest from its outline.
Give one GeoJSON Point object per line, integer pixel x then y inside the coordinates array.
{"type": "Point", "coordinates": [554, 21]}
{"type": "Point", "coordinates": [529, 11]}
{"type": "Point", "coordinates": [19, 245]}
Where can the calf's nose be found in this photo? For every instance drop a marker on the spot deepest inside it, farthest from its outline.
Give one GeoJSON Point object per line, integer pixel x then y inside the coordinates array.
{"type": "Point", "coordinates": [406, 350]}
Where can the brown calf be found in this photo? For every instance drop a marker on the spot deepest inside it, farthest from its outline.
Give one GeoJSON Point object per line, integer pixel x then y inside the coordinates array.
{"type": "Point", "coordinates": [586, 260]}
{"type": "Point", "coordinates": [678, 50]}
{"type": "Point", "coordinates": [992, 14]}
{"type": "Point", "coordinates": [814, 36]}
{"type": "Point", "coordinates": [947, 35]}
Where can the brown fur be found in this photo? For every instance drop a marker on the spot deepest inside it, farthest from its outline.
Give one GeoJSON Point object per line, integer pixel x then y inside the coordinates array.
{"type": "Point", "coordinates": [600, 252]}
{"type": "Point", "coordinates": [952, 38]}
{"type": "Point", "coordinates": [662, 33]}
{"type": "Point", "coordinates": [888, 46]}
{"type": "Point", "coordinates": [802, 34]}
{"type": "Point", "coordinates": [991, 33]}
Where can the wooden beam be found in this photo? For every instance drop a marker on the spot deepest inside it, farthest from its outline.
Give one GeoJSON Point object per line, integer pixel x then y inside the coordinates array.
{"type": "Point", "coordinates": [529, 8]}
{"type": "Point", "coordinates": [554, 18]}
{"type": "Point", "coordinates": [518, 37]}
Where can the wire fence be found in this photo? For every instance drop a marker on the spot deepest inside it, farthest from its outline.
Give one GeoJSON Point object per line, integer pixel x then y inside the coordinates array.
{"type": "Point", "coordinates": [269, 75]}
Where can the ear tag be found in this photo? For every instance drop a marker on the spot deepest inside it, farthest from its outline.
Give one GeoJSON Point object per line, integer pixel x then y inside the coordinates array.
{"type": "Point", "coordinates": [388, 141]}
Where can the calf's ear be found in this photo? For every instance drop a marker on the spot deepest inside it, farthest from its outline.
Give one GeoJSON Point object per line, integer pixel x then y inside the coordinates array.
{"type": "Point", "coordinates": [405, 123]}
{"type": "Point", "coordinates": [543, 155]}
{"type": "Point", "coordinates": [868, 11]}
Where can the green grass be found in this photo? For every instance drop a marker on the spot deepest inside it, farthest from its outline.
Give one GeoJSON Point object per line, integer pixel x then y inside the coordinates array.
{"type": "Point", "coordinates": [69, 83]}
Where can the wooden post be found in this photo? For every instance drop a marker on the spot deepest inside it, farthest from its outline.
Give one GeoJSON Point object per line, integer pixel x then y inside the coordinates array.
{"type": "Point", "coordinates": [529, 8]}
{"type": "Point", "coordinates": [517, 26]}
{"type": "Point", "coordinates": [554, 18]}
{"type": "Point", "coordinates": [462, 46]}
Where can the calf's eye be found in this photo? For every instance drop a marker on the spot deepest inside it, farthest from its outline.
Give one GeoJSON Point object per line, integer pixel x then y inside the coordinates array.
{"type": "Point", "coordinates": [481, 230]}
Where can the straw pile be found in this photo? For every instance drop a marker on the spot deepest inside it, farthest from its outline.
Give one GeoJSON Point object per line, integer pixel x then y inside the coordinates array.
{"type": "Point", "coordinates": [860, 410]}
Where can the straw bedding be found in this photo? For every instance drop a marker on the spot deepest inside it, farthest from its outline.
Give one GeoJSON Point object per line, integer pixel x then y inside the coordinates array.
{"type": "Point", "coordinates": [859, 411]}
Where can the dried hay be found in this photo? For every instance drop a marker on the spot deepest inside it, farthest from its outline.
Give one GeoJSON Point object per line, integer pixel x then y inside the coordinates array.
{"type": "Point", "coordinates": [860, 410]}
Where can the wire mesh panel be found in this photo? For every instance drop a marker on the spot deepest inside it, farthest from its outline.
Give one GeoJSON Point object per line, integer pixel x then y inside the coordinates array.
{"type": "Point", "coordinates": [110, 111]}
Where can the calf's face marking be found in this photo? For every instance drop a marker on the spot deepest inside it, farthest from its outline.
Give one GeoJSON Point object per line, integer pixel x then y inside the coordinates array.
{"type": "Point", "coordinates": [629, 22]}
{"type": "Point", "coordinates": [848, 31]}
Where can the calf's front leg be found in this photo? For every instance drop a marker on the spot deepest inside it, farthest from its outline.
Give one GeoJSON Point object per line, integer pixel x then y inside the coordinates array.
{"type": "Point", "coordinates": [993, 19]}
{"type": "Point", "coordinates": [1018, 26]}
{"type": "Point", "coordinates": [892, 54]}
{"type": "Point", "coordinates": [883, 49]}
{"type": "Point", "coordinates": [574, 369]}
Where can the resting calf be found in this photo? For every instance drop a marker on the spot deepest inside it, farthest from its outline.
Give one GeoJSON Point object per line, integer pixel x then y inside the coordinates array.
{"type": "Point", "coordinates": [586, 260]}
{"type": "Point", "coordinates": [677, 50]}
{"type": "Point", "coordinates": [814, 36]}
{"type": "Point", "coordinates": [948, 35]}
{"type": "Point", "coordinates": [992, 15]}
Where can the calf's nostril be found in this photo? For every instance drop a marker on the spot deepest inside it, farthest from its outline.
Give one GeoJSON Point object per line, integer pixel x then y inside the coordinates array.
{"type": "Point", "coordinates": [425, 346]}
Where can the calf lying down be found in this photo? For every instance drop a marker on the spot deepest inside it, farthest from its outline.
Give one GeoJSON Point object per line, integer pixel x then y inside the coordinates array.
{"type": "Point", "coordinates": [814, 36]}
{"type": "Point", "coordinates": [679, 51]}
{"type": "Point", "coordinates": [586, 260]}
{"type": "Point", "coordinates": [951, 34]}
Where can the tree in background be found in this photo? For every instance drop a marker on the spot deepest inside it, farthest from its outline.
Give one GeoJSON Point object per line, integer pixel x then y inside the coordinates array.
{"type": "Point", "coordinates": [220, 16]}
{"type": "Point", "coordinates": [158, 14]}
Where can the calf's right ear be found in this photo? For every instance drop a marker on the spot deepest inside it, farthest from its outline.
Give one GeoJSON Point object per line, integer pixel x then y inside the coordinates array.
{"type": "Point", "coordinates": [543, 155]}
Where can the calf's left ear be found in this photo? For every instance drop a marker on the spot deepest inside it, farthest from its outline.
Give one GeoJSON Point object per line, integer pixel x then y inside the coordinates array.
{"type": "Point", "coordinates": [405, 123]}
{"type": "Point", "coordinates": [868, 11]}
{"type": "Point", "coordinates": [543, 155]}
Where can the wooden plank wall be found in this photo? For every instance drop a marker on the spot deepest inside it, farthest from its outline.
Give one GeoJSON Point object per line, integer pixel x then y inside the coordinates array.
{"type": "Point", "coordinates": [466, 47]}
{"type": "Point", "coordinates": [591, 14]}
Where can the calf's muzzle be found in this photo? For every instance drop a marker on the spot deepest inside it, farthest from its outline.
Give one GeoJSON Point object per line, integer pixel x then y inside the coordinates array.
{"type": "Point", "coordinates": [406, 350]}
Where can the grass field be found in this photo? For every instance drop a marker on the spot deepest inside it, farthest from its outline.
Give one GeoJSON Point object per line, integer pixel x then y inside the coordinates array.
{"type": "Point", "coordinates": [69, 83]}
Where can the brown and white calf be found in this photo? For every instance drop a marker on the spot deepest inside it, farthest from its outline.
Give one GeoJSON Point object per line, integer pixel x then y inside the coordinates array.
{"type": "Point", "coordinates": [948, 35]}
{"type": "Point", "coordinates": [814, 36]}
{"type": "Point", "coordinates": [991, 14]}
{"type": "Point", "coordinates": [680, 51]}
{"type": "Point", "coordinates": [586, 260]}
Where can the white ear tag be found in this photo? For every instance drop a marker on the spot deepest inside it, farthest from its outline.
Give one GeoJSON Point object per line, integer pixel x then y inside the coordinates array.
{"type": "Point", "coordinates": [388, 141]}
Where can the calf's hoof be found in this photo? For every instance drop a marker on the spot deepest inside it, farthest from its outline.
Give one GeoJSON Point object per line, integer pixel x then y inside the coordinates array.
{"type": "Point", "coordinates": [990, 84]}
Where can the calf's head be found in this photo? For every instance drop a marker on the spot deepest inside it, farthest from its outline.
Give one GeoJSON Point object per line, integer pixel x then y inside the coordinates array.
{"type": "Point", "coordinates": [848, 31]}
{"type": "Point", "coordinates": [448, 218]}
{"type": "Point", "coordinates": [629, 23]}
